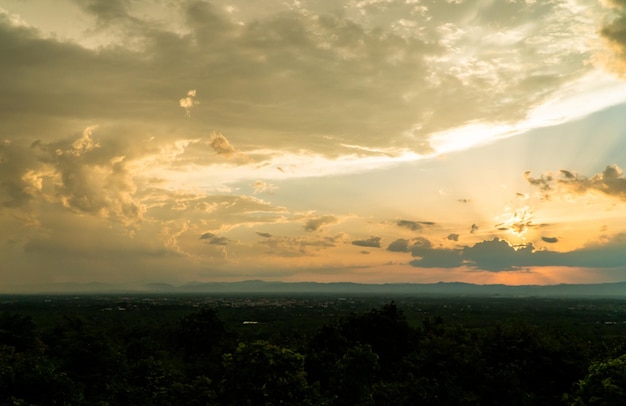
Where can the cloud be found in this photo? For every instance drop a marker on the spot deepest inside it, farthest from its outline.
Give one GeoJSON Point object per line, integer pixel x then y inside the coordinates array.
{"type": "Point", "coordinates": [105, 10]}
{"type": "Point", "coordinates": [439, 259]}
{"type": "Point", "coordinates": [262, 187]}
{"type": "Point", "coordinates": [413, 225]}
{"type": "Point", "coordinates": [189, 102]}
{"type": "Point", "coordinates": [316, 223]}
{"type": "Point", "coordinates": [610, 182]}
{"type": "Point", "coordinates": [373, 242]}
{"type": "Point", "coordinates": [20, 175]}
{"type": "Point", "coordinates": [84, 143]}
{"type": "Point", "coordinates": [543, 183]}
{"type": "Point", "coordinates": [420, 245]}
{"type": "Point", "coordinates": [300, 246]}
{"type": "Point", "coordinates": [212, 239]}
{"type": "Point", "coordinates": [399, 245]}
{"type": "Point", "coordinates": [219, 241]}
{"type": "Point", "coordinates": [550, 240]}
{"type": "Point", "coordinates": [518, 221]}
{"type": "Point", "coordinates": [80, 248]}
{"type": "Point", "coordinates": [89, 176]}
{"type": "Point", "coordinates": [473, 228]}
{"type": "Point", "coordinates": [287, 86]}
{"type": "Point", "coordinates": [614, 33]}
{"type": "Point", "coordinates": [495, 256]}
{"type": "Point", "coordinates": [407, 83]}
{"type": "Point", "coordinates": [221, 146]}
{"type": "Point", "coordinates": [499, 255]}
{"type": "Point", "coordinates": [198, 154]}
{"type": "Point", "coordinates": [215, 211]}
{"type": "Point", "coordinates": [429, 257]}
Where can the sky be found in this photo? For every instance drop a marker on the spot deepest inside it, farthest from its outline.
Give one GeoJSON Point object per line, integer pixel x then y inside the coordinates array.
{"type": "Point", "coordinates": [373, 141]}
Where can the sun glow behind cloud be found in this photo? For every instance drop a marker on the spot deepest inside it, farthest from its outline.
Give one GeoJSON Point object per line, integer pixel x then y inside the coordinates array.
{"type": "Point", "coordinates": [387, 141]}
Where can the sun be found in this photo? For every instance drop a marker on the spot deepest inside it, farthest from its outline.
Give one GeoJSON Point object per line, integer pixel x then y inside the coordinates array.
{"type": "Point", "coordinates": [517, 221]}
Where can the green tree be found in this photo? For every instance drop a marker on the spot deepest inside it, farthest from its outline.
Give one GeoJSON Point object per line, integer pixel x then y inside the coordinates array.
{"type": "Point", "coordinates": [17, 330]}
{"type": "Point", "coordinates": [385, 330]}
{"type": "Point", "coordinates": [198, 333]}
{"type": "Point", "coordinates": [202, 338]}
{"type": "Point", "coordinates": [261, 373]}
{"type": "Point", "coordinates": [33, 378]}
{"type": "Point", "coordinates": [90, 357]}
{"type": "Point", "coordinates": [604, 384]}
{"type": "Point", "coordinates": [525, 366]}
{"type": "Point", "coordinates": [356, 373]}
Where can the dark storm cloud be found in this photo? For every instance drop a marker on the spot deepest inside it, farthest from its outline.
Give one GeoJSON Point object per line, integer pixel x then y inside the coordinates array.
{"type": "Point", "coordinates": [453, 237]}
{"type": "Point", "coordinates": [373, 242]}
{"type": "Point", "coordinates": [473, 228]}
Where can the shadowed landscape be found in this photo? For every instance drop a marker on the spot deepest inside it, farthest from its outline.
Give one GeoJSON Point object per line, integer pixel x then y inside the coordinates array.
{"type": "Point", "coordinates": [315, 349]}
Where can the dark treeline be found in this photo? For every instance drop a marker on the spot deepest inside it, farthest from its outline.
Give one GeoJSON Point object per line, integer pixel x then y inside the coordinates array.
{"type": "Point", "coordinates": [368, 358]}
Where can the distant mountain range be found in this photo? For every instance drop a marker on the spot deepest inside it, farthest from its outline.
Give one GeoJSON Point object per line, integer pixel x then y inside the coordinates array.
{"type": "Point", "coordinates": [346, 288]}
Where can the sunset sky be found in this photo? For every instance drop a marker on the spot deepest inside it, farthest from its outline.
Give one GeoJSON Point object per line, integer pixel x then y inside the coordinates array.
{"type": "Point", "coordinates": [316, 140]}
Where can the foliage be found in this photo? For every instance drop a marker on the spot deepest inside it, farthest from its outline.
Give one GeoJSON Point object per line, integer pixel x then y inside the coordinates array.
{"type": "Point", "coordinates": [604, 384]}
{"type": "Point", "coordinates": [260, 373]}
{"type": "Point", "coordinates": [356, 373]}
{"type": "Point", "coordinates": [180, 355]}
